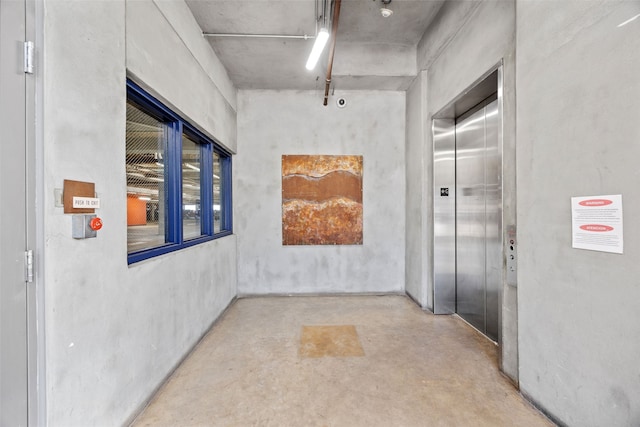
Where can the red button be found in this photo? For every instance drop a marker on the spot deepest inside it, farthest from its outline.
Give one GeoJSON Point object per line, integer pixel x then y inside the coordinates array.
{"type": "Point", "coordinates": [95, 224]}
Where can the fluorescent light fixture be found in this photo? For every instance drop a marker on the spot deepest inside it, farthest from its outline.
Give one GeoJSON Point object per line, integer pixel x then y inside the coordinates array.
{"type": "Point", "coordinates": [629, 20]}
{"type": "Point", "coordinates": [190, 166]}
{"type": "Point", "coordinates": [318, 46]}
{"type": "Point", "coordinates": [147, 198]}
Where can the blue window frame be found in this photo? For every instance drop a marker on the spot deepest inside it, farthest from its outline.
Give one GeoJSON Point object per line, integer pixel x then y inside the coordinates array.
{"type": "Point", "coordinates": [178, 180]}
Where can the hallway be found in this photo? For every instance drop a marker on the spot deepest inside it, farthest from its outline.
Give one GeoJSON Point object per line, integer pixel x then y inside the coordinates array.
{"type": "Point", "coordinates": [339, 361]}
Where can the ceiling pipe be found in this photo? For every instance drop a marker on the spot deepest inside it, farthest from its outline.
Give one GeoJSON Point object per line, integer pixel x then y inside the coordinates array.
{"type": "Point", "coordinates": [332, 49]}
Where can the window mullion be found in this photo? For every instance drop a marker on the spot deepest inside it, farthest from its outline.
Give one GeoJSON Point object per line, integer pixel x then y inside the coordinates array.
{"type": "Point", "coordinates": [206, 189]}
{"type": "Point", "coordinates": [227, 218]}
{"type": "Point", "coordinates": [173, 178]}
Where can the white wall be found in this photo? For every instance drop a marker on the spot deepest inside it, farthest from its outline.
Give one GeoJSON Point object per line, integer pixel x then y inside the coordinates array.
{"type": "Point", "coordinates": [578, 135]}
{"type": "Point", "coordinates": [274, 123]}
{"type": "Point", "coordinates": [113, 331]}
{"type": "Point", "coordinates": [465, 41]}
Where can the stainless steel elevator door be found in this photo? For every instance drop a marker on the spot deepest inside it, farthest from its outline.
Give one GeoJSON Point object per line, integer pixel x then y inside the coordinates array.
{"type": "Point", "coordinates": [478, 219]}
{"type": "Point", "coordinates": [444, 219]}
{"type": "Point", "coordinates": [493, 220]}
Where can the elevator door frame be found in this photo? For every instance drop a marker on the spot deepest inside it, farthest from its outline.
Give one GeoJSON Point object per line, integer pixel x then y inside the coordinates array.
{"type": "Point", "coordinates": [444, 181]}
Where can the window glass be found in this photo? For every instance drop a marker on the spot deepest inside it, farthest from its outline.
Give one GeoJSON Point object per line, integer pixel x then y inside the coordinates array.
{"type": "Point", "coordinates": [191, 215]}
{"type": "Point", "coordinates": [217, 192]}
{"type": "Point", "coordinates": [146, 141]}
{"type": "Point", "coordinates": [177, 190]}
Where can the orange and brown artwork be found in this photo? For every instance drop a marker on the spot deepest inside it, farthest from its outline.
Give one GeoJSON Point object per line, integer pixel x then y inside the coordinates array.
{"type": "Point", "coordinates": [321, 200]}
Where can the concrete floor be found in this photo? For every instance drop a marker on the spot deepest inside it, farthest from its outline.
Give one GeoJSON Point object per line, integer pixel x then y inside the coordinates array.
{"type": "Point", "coordinates": [339, 361]}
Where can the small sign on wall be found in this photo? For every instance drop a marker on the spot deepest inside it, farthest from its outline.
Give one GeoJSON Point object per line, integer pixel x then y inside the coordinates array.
{"type": "Point", "coordinates": [597, 223]}
{"type": "Point", "coordinates": [77, 196]}
{"type": "Point", "coordinates": [86, 202]}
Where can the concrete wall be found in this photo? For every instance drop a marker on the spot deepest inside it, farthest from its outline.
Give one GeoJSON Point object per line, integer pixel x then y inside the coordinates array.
{"type": "Point", "coordinates": [273, 123]}
{"type": "Point", "coordinates": [383, 66]}
{"type": "Point", "coordinates": [465, 41]}
{"type": "Point", "coordinates": [113, 331]}
{"type": "Point", "coordinates": [419, 159]}
{"type": "Point", "coordinates": [180, 54]}
{"type": "Point", "coordinates": [578, 135]}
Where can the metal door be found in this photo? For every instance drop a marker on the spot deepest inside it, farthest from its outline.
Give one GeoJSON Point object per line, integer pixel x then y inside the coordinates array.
{"type": "Point", "coordinates": [478, 219]}
{"type": "Point", "coordinates": [493, 220]}
{"type": "Point", "coordinates": [13, 229]}
{"type": "Point", "coordinates": [444, 219]}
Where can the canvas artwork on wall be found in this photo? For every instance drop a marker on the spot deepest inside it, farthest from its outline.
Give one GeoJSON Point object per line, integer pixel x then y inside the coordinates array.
{"type": "Point", "coordinates": [321, 200]}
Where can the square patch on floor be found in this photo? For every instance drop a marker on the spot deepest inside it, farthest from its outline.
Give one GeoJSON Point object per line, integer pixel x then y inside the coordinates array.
{"type": "Point", "coordinates": [330, 341]}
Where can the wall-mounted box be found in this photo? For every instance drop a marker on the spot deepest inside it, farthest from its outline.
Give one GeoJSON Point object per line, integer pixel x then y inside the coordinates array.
{"type": "Point", "coordinates": [81, 226]}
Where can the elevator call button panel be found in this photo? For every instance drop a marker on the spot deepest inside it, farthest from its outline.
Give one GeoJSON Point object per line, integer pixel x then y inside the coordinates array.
{"type": "Point", "coordinates": [512, 256]}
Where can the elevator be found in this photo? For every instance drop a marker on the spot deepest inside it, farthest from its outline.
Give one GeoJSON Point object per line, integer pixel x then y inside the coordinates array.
{"type": "Point", "coordinates": [468, 259]}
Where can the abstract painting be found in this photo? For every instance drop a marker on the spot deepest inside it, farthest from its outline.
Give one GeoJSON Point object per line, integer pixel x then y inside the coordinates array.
{"type": "Point", "coordinates": [321, 200]}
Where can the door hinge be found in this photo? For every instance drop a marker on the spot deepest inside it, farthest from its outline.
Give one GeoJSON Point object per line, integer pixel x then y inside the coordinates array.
{"type": "Point", "coordinates": [28, 266]}
{"type": "Point", "coordinates": [28, 57]}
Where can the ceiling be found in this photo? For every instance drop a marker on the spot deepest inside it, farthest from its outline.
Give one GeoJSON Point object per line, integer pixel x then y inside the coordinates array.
{"type": "Point", "coordinates": [372, 52]}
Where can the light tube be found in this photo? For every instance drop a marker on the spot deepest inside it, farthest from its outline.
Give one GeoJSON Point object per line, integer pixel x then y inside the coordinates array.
{"type": "Point", "coordinates": [318, 46]}
{"type": "Point", "coordinates": [190, 166]}
{"type": "Point", "coordinates": [629, 20]}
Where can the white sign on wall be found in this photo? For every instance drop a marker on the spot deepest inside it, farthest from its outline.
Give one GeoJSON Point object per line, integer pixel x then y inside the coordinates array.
{"type": "Point", "coordinates": [597, 223]}
{"type": "Point", "coordinates": [86, 202]}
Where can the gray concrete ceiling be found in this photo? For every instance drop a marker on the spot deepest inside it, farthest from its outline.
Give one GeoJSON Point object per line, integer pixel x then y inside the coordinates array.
{"type": "Point", "coordinates": [372, 52]}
